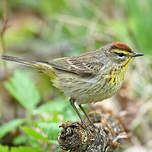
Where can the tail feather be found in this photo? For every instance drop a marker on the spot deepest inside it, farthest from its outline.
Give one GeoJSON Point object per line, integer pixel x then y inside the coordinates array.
{"type": "Point", "coordinates": [19, 60]}
{"type": "Point", "coordinates": [42, 66]}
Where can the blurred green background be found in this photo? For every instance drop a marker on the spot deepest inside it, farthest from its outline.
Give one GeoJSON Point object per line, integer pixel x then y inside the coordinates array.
{"type": "Point", "coordinates": [31, 109]}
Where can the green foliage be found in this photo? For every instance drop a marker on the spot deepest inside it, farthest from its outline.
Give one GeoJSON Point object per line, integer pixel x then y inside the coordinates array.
{"type": "Point", "coordinates": [34, 133]}
{"type": "Point", "coordinates": [20, 140]}
{"type": "Point", "coordinates": [51, 129]}
{"type": "Point", "coordinates": [56, 108]}
{"type": "Point", "coordinates": [20, 149]}
{"type": "Point", "coordinates": [56, 105]}
{"type": "Point", "coordinates": [140, 23]}
{"type": "Point", "coordinates": [23, 89]}
{"type": "Point", "coordinates": [7, 127]}
{"type": "Point", "coordinates": [26, 149]}
{"type": "Point", "coordinates": [4, 148]}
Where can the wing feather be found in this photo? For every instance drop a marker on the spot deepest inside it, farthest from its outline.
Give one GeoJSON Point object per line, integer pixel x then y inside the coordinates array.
{"type": "Point", "coordinates": [84, 64]}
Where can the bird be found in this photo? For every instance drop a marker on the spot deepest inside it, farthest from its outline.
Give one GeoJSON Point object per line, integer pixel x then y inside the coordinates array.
{"type": "Point", "coordinates": [89, 77]}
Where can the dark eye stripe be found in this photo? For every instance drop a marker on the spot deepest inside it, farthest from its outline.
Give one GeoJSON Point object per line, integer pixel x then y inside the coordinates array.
{"type": "Point", "coordinates": [120, 54]}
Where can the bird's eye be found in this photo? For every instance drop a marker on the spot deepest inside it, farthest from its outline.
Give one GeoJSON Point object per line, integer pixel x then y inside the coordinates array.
{"type": "Point", "coordinates": [120, 54]}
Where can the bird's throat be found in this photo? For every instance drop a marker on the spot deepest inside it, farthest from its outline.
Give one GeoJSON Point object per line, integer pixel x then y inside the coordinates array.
{"type": "Point", "coordinates": [117, 73]}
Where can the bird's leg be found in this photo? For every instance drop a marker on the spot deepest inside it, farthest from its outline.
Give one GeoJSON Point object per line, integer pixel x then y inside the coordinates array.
{"type": "Point", "coordinates": [82, 109]}
{"type": "Point", "coordinates": [86, 115]}
{"type": "Point", "coordinates": [76, 110]}
{"type": "Point", "coordinates": [83, 122]}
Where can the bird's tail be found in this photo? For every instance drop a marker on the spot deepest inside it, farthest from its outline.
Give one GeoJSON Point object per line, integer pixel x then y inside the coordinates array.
{"type": "Point", "coordinates": [19, 60]}
{"type": "Point", "coordinates": [42, 66]}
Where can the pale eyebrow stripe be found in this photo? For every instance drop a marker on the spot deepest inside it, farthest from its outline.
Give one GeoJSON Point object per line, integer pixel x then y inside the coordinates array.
{"type": "Point", "coordinates": [121, 51]}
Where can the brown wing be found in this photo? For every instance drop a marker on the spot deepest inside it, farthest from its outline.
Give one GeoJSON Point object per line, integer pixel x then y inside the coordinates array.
{"type": "Point", "coordinates": [84, 64]}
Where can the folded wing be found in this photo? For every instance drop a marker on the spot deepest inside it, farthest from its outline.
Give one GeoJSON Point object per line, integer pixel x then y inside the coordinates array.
{"type": "Point", "coordinates": [85, 64]}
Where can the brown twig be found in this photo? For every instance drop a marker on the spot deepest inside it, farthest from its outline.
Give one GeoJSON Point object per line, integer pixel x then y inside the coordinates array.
{"type": "Point", "coordinates": [3, 30]}
{"type": "Point", "coordinates": [106, 137]}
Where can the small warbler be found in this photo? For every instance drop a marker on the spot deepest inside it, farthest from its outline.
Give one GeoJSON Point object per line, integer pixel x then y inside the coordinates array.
{"type": "Point", "coordinates": [89, 77]}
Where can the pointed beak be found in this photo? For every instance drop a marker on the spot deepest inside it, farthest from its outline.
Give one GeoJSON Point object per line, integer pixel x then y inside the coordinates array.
{"type": "Point", "coordinates": [135, 54]}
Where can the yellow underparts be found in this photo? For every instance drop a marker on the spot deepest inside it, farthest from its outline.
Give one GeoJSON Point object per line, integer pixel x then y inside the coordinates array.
{"type": "Point", "coordinates": [54, 78]}
{"type": "Point", "coordinates": [50, 71]}
{"type": "Point", "coordinates": [117, 75]}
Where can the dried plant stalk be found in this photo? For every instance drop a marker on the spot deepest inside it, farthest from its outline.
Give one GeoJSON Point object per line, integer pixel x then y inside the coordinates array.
{"type": "Point", "coordinates": [3, 30]}
{"type": "Point", "coordinates": [107, 136]}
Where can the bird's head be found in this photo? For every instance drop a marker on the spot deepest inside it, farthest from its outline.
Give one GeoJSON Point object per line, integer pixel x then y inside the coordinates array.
{"type": "Point", "coordinates": [121, 54]}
